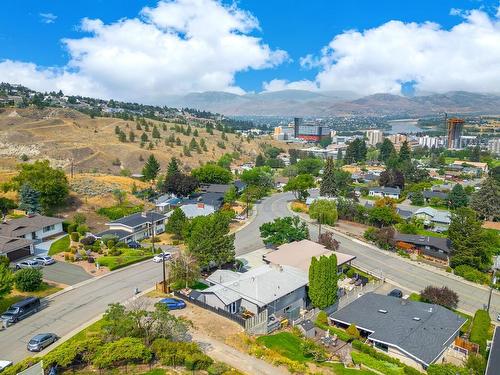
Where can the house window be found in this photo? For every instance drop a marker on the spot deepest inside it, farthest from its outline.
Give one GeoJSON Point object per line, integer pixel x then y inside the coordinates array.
{"type": "Point", "coordinates": [287, 309]}
{"type": "Point", "coordinates": [48, 228]}
{"type": "Point", "coordinates": [382, 347]}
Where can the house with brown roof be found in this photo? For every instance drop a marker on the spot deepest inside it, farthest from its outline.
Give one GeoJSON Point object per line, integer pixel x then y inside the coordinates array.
{"type": "Point", "coordinates": [299, 254]}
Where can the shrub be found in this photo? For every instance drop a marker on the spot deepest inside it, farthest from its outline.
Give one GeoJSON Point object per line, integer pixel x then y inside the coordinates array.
{"type": "Point", "coordinates": [370, 234]}
{"type": "Point", "coordinates": [471, 274]}
{"type": "Point", "coordinates": [441, 296]}
{"type": "Point", "coordinates": [197, 361]}
{"type": "Point", "coordinates": [341, 334]}
{"type": "Point", "coordinates": [75, 236]}
{"type": "Point", "coordinates": [82, 229]}
{"type": "Point", "coordinates": [446, 369]}
{"type": "Point", "coordinates": [71, 228]}
{"type": "Point", "coordinates": [322, 318]}
{"type": "Point", "coordinates": [387, 368]}
{"type": "Point", "coordinates": [479, 333]}
{"type": "Point", "coordinates": [115, 252]}
{"type": "Point", "coordinates": [174, 353]}
{"type": "Point", "coordinates": [352, 331]}
{"type": "Point", "coordinates": [21, 366]}
{"type": "Point", "coordinates": [28, 279]}
{"type": "Point", "coordinates": [123, 351]}
{"type": "Point", "coordinates": [218, 368]}
{"type": "Point", "coordinates": [87, 241]}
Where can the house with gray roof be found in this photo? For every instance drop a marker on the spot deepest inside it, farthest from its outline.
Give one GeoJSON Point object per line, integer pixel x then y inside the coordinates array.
{"type": "Point", "coordinates": [493, 365]}
{"type": "Point", "coordinates": [429, 194]}
{"type": "Point", "coordinates": [416, 333]}
{"type": "Point", "coordinates": [35, 227]}
{"type": "Point", "coordinates": [135, 227]}
{"type": "Point", "coordinates": [435, 247]}
{"type": "Point", "coordinates": [15, 248]}
{"type": "Point", "coordinates": [383, 191]}
{"type": "Point", "coordinates": [437, 218]}
{"type": "Point", "coordinates": [281, 290]}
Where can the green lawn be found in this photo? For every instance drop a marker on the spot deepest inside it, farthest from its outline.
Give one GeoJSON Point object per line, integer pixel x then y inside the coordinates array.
{"type": "Point", "coordinates": [16, 296]}
{"type": "Point", "coordinates": [119, 211]}
{"type": "Point", "coordinates": [62, 244]}
{"type": "Point", "coordinates": [429, 233]}
{"type": "Point", "coordinates": [375, 364]}
{"type": "Point", "coordinates": [285, 344]}
{"type": "Point", "coordinates": [339, 369]}
{"type": "Point", "coordinates": [128, 257]}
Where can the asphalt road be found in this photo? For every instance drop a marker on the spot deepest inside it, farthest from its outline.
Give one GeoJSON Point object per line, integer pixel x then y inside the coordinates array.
{"type": "Point", "coordinates": [395, 269]}
{"type": "Point", "coordinates": [70, 310]}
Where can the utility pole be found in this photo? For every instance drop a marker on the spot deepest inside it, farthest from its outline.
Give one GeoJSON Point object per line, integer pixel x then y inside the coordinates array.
{"type": "Point", "coordinates": [493, 282]}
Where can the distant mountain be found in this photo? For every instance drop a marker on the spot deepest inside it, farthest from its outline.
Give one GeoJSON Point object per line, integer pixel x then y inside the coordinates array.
{"type": "Point", "coordinates": [337, 103]}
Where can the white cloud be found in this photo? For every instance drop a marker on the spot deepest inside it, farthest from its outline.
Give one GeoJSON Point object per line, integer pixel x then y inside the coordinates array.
{"type": "Point", "coordinates": [177, 47]}
{"type": "Point", "coordinates": [282, 84]}
{"type": "Point", "coordinates": [47, 17]}
{"type": "Point", "coordinates": [465, 57]}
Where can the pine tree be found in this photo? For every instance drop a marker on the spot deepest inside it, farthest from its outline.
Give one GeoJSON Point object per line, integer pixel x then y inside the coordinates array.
{"type": "Point", "coordinates": [193, 145]}
{"type": "Point", "coordinates": [178, 141]}
{"type": "Point", "coordinates": [185, 151]}
{"type": "Point", "coordinates": [259, 161]}
{"type": "Point", "coordinates": [176, 223]}
{"type": "Point", "coordinates": [195, 133]}
{"type": "Point", "coordinates": [323, 281]}
{"type": "Point", "coordinates": [122, 137]}
{"type": "Point", "coordinates": [156, 132]}
{"type": "Point", "coordinates": [173, 167]}
{"type": "Point", "coordinates": [458, 197]}
{"type": "Point", "coordinates": [203, 145]}
{"type": "Point", "coordinates": [29, 199]}
{"type": "Point", "coordinates": [144, 137]}
{"type": "Point", "coordinates": [327, 186]}
{"type": "Point", "coordinates": [386, 149]}
{"type": "Point", "coordinates": [486, 201]}
{"type": "Point", "coordinates": [404, 152]}
{"type": "Point", "coordinates": [476, 154]}
{"type": "Point", "coordinates": [151, 168]}
{"type": "Point", "coordinates": [131, 136]}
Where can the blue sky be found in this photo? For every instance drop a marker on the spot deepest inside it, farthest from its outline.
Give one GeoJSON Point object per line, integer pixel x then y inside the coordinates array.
{"type": "Point", "coordinates": [33, 32]}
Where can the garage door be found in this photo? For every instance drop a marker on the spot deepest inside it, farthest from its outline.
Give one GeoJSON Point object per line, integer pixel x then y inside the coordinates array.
{"type": "Point", "coordinates": [18, 254]}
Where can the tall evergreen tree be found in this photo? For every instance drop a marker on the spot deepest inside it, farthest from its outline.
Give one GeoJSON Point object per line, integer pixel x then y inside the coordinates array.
{"type": "Point", "coordinates": [173, 167]}
{"type": "Point", "coordinates": [404, 152]}
{"type": "Point", "coordinates": [458, 197]}
{"type": "Point", "coordinates": [475, 154]}
{"type": "Point", "coordinates": [323, 281]}
{"type": "Point", "coordinates": [29, 199]}
{"type": "Point", "coordinates": [156, 132]}
{"type": "Point", "coordinates": [386, 149]}
{"type": "Point", "coordinates": [327, 186]}
{"type": "Point", "coordinates": [259, 161]}
{"type": "Point", "coordinates": [176, 223]}
{"type": "Point", "coordinates": [151, 168]}
{"type": "Point", "coordinates": [486, 201]}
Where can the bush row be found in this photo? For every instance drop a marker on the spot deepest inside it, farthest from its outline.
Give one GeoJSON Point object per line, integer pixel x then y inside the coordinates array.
{"type": "Point", "coordinates": [375, 364]}
{"type": "Point", "coordinates": [471, 274]}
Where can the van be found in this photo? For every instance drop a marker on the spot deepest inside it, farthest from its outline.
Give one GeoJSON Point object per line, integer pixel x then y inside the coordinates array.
{"type": "Point", "coordinates": [21, 310]}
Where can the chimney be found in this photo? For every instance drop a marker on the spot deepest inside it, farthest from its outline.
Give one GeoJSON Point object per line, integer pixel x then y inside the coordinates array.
{"type": "Point", "coordinates": [201, 205]}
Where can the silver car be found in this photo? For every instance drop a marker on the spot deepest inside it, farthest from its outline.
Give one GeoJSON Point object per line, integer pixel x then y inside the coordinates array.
{"type": "Point", "coordinates": [28, 264]}
{"type": "Point", "coordinates": [44, 260]}
{"type": "Point", "coordinates": [41, 341]}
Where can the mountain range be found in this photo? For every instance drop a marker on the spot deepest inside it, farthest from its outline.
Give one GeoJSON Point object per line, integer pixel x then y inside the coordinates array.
{"type": "Point", "coordinates": [337, 103]}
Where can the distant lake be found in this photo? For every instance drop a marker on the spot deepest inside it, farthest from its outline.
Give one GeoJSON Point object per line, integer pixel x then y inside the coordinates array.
{"type": "Point", "coordinates": [404, 126]}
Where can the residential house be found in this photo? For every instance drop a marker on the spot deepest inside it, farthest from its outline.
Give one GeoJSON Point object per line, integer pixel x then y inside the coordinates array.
{"type": "Point", "coordinates": [201, 204]}
{"type": "Point", "coordinates": [493, 365]}
{"type": "Point", "coordinates": [382, 191]}
{"type": "Point", "coordinates": [299, 254]}
{"type": "Point", "coordinates": [136, 227]}
{"type": "Point", "coordinates": [15, 248]}
{"type": "Point", "coordinates": [434, 247]}
{"type": "Point", "coordinates": [36, 227]}
{"type": "Point", "coordinates": [439, 219]}
{"type": "Point", "coordinates": [429, 194]}
{"type": "Point", "coordinates": [416, 333]}
{"type": "Point", "coordinates": [403, 214]}
{"type": "Point", "coordinates": [166, 202]}
{"type": "Point", "coordinates": [192, 210]}
{"type": "Point", "coordinates": [281, 290]}
{"type": "Point", "coordinates": [482, 167]}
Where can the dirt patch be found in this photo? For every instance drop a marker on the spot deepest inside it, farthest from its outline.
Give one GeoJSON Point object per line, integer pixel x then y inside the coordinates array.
{"type": "Point", "coordinates": [351, 227]}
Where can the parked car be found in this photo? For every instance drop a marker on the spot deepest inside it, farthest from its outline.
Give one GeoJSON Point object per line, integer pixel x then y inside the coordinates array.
{"type": "Point", "coordinates": [21, 309]}
{"type": "Point", "coordinates": [159, 257]}
{"type": "Point", "coordinates": [498, 317]}
{"type": "Point", "coordinates": [4, 364]}
{"type": "Point", "coordinates": [396, 293]}
{"type": "Point", "coordinates": [41, 341]}
{"type": "Point", "coordinates": [28, 264]}
{"type": "Point", "coordinates": [44, 260]}
{"type": "Point", "coordinates": [134, 245]}
{"type": "Point", "coordinates": [173, 303]}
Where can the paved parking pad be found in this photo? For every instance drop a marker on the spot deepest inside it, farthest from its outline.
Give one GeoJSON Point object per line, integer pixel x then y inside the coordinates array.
{"type": "Point", "coordinates": [65, 273]}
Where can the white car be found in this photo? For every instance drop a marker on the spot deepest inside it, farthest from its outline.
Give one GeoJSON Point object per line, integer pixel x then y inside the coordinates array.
{"type": "Point", "coordinates": [45, 260]}
{"type": "Point", "coordinates": [4, 364]}
{"type": "Point", "coordinates": [159, 258]}
{"type": "Point", "coordinates": [28, 264]}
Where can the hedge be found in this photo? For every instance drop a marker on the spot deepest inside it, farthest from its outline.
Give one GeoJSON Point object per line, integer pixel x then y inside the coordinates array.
{"type": "Point", "coordinates": [375, 364]}
{"type": "Point", "coordinates": [479, 332]}
{"type": "Point", "coordinates": [471, 274]}
{"type": "Point", "coordinates": [341, 334]}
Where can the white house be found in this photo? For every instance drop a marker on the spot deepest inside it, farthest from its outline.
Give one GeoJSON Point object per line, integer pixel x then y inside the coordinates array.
{"type": "Point", "coordinates": [135, 227]}
{"type": "Point", "coordinates": [36, 227]}
{"type": "Point", "coordinates": [382, 191]}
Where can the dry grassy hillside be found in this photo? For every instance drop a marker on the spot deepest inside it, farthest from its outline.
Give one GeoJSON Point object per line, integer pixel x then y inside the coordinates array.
{"type": "Point", "coordinates": [62, 135]}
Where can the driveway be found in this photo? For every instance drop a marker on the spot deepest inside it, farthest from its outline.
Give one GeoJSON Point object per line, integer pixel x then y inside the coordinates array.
{"type": "Point", "coordinates": [44, 247]}
{"type": "Point", "coordinates": [65, 273]}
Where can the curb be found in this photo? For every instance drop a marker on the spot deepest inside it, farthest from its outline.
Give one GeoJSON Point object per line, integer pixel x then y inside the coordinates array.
{"type": "Point", "coordinates": [248, 222]}
{"type": "Point", "coordinates": [74, 332]}
{"type": "Point", "coordinates": [417, 264]}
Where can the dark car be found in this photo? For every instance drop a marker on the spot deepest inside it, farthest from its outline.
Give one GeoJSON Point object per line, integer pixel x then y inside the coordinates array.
{"type": "Point", "coordinates": [173, 303]}
{"type": "Point", "coordinates": [41, 341]}
{"type": "Point", "coordinates": [21, 310]}
{"type": "Point", "coordinates": [134, 245]}
{"type": "Point", "coordinates": [396, 293]}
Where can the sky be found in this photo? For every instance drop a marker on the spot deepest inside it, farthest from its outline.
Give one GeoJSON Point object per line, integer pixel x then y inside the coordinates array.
{"type": "Point", "coordinates": [147, 50]}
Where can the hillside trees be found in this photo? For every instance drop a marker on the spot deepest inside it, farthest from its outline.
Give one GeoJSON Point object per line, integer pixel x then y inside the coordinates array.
{"type": "Point", "coordinates": [356, 151]}
{"type": "Point", "coordinates": [386, 150]}
{"type": "Point", "coordinates": [50, 183]}
{"type": "Point", "coordinates": [151, 168]}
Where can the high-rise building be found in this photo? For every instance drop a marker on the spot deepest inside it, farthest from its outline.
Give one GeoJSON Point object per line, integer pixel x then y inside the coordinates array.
{"type": "Point", "coordinates": [374, 136]}
{"type": "Point", "coordinates": [455, 126]}
{"type": "Point", "coordinates": [467, 140]}
{"type": "Point", "coordinates": [309, 131]}
{"type": "Point", "coordinates": [494, 146]}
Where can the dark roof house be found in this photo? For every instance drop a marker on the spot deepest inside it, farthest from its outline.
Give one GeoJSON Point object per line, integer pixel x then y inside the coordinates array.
{"type": "Point", "coordinates": [493, 366]}
{"type": "Point", "coordinates": [419, 331]}
{"type": "Point", "coordinates": [433, 246]}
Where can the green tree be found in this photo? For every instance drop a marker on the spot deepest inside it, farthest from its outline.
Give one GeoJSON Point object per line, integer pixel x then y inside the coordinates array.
{"type": "Point", "coordinates": [299, 185]}
{"type": "Point", "coordinates": [325, 142]}
{"type": "Point", "coordinates": [212, 174]}
{"type": "Point", "coordinates": [131, 136]}
{"type": "Point", "coordinates": [28, 279]}
{"type": "Point", "coordinates": [151, 168]}
{"type": "Point", "coordinates": [486, 201]}
{"type": "Point", "coordinates": [230, 195]}
{"type": "Point", "coordinates": [334, 181]}
{"type": "Point", "coordinates": [261, 177]}
{"type": "Point", "coordinates": [225, 161]}
{"type": "Point", "coordinates": [323, 280]}
{"type": "Point", "coordinates": [469, 241]}
{"type": "Point", "coordinates": [324, 210]}
{"type": "Point", "coordinates": [122, 137]}
{"type": "Point", "coordinates": [119, 196]}
{"type": "Point", "coordinates": [475, 155]}
{"type": "Point", "coordinates": [356, 151]}
{"type": "Point", "coordinates": [309, 166]}
{"type": "Point", "coordinates": [180, 184]}
{"type": "Point", "coordinates": [383, 216]}
{"type": "Point", "coordinates": [51, 183]}
{"type": "Point", "coordinates": [260, 161]}
{"type": "Point", "coordinates": [193, 145]}
{"type": "Point", "coordinates": [417, 198]}
{"type": "Point", "coordinates": [176, 223]}
{"type": "Point", "coordinates": [284, 230]}
{"type": "Point", "coordinates": [156, 132]}
{"type": "Point", "coordinates": [386, 150]}
{"type": "Point", "coordinates": [208, 239]}
{"type": "Point", "coordinates": [6, 279]}
{"type": "Point", "coordinates": [144, 137]}
{"type": "Point", "coordinates": [446, 369]}
{"type": "Point", "coordinates": [29, 199]}
{"type": "Point", "coordinates": [6, 205]}
{"type": "Point", "coordinates": [404, 152]}
{"type": "Point", "coordinates": [173, 167]}
{"type": "Point", "coordinates": [457, 197]}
